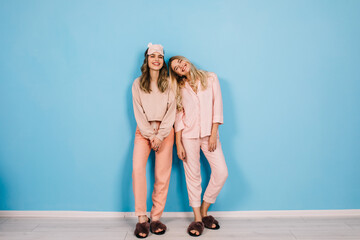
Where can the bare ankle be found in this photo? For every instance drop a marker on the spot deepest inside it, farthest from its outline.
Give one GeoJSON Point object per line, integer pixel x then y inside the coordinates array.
{"type": "Point", "coordinates": [203, 212]}
{"type": "Point", "coordinates": [198, 218]}
{"type": "Point", "coordinates": [204, 208]}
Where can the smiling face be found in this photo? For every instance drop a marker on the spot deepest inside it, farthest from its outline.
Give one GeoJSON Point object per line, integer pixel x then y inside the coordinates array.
{"type": "Point", "coordinates": [155, 61]}
{"type": "Point", "coordinates": [180, 67]}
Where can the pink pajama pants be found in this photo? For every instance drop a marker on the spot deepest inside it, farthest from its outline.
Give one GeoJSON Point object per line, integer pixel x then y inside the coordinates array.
{"type": "Point", "coordinates": [163, 163]}
{"type": "Point", "coordinates": [218, 167]}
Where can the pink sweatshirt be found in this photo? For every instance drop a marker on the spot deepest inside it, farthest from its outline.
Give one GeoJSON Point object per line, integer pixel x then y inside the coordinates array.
{"type": "Point", "coordinates": [154, 106]}
{"type": "Point", "coordinates": [200, 110]}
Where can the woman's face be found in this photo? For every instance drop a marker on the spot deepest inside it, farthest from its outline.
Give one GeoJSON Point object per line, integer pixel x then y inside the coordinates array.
{"type": "Point", "coordinates": [155, 61]}
{"type": "Point", "coordinates": [180, 67]}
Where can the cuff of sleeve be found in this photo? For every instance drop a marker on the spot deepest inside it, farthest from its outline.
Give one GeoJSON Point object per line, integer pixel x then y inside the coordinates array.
{"type": "Point", "coordinates": [159, 136]}
{"type": "Point", "coordinates": [152, 137]}
{"type": "Point", "coordinates": [218, 119]}
{"type": "Point", "coordinates": [179, 126]}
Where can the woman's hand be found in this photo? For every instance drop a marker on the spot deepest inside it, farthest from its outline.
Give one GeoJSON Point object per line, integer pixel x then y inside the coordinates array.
{"type": "Point", "coordinates": [212, 142]}
{"type": "Point", "coordinates": [155, 144]}
{"type": "Point", "coordinates": [181, 151]}
{"type": "Point", "coordinates": [213, 137]}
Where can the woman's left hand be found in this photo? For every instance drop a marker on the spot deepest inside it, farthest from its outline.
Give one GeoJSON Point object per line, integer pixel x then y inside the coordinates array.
{"type": "Point", "coordinates": [212, 142]}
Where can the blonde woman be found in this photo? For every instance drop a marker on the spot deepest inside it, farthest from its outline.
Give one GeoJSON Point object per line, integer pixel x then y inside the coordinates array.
{"type": "Point", "coordinates": [154, 108]}
{"type": "Point", "coordinates": [199, 113]}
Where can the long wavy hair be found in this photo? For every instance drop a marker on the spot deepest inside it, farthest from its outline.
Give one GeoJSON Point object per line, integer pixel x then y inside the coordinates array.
{"type": "Point", "coordinates": [162, 81]}
{"type": "Point", "coordinates": [178, 82]}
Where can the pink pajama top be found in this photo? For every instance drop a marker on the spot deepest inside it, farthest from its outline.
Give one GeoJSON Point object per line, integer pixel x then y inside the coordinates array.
{"type": "Point", "coordinates": [200, 110]}
{"type": "Point", "coordinates": [153, 106]}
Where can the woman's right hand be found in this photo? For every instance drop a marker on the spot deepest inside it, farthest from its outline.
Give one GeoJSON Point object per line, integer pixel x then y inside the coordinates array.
{"type": "Point", "coordinates": [181, 152]}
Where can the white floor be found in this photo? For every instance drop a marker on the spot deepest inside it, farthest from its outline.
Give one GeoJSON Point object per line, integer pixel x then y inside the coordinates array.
{"type": "Point", "coordinates": [231, 228]}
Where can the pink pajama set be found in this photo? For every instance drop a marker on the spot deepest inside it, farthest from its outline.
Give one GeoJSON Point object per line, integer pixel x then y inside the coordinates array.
{"type": "Point", "coordinates": [200, 111]}
{"type": "Point", "coordinates": [155, 116]}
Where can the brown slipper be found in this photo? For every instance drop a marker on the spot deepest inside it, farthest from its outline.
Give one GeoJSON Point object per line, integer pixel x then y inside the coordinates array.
{"type": "Point", "coordinates": [197, 226]}
{"type": "Point", "coordinates": [142, 228]}
{"type": "Point", "coordinates": [209, 221]}
{"type": "Point", "coordinates": [155, 225]}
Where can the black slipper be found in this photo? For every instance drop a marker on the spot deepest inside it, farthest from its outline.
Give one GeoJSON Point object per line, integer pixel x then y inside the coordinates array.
{"type": "Point", "coordinates": [197, 226]}
{"type": "Point", "coordinates": [209, 221]}
{"type": "Point", "coordinates": [142, 228]}
{"type": "Point", "coordinates": [156, 225]}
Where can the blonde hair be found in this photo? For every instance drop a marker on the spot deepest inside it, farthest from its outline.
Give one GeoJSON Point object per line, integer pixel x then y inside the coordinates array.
{"type": "Point", "coordinates": [162, 81]}
{"type": "Point", "coordinates": [178, 82]}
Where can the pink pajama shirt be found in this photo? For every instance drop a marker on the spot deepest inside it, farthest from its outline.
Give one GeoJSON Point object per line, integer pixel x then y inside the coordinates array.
{"type": "Point", "coordinates": [200, 111]}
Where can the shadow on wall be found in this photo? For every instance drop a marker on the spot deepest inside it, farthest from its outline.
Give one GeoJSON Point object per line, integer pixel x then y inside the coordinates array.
{"type": "Point", "coordinates": [3, 196]}
{"type": "Point", "coordinates": [235, 189]}
{"type": "Point", "coordinates": [178, 176]}
{"type": "Point", "coordinates": [126, 195]}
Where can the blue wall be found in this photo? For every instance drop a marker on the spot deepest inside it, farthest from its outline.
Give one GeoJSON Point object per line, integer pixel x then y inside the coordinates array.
{"type": "Point", "coordinates": [290, 77]}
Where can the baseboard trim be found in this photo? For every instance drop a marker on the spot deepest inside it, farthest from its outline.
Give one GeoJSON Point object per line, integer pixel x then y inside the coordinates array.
{"type": "Point", "coordinates": [241, 214]}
